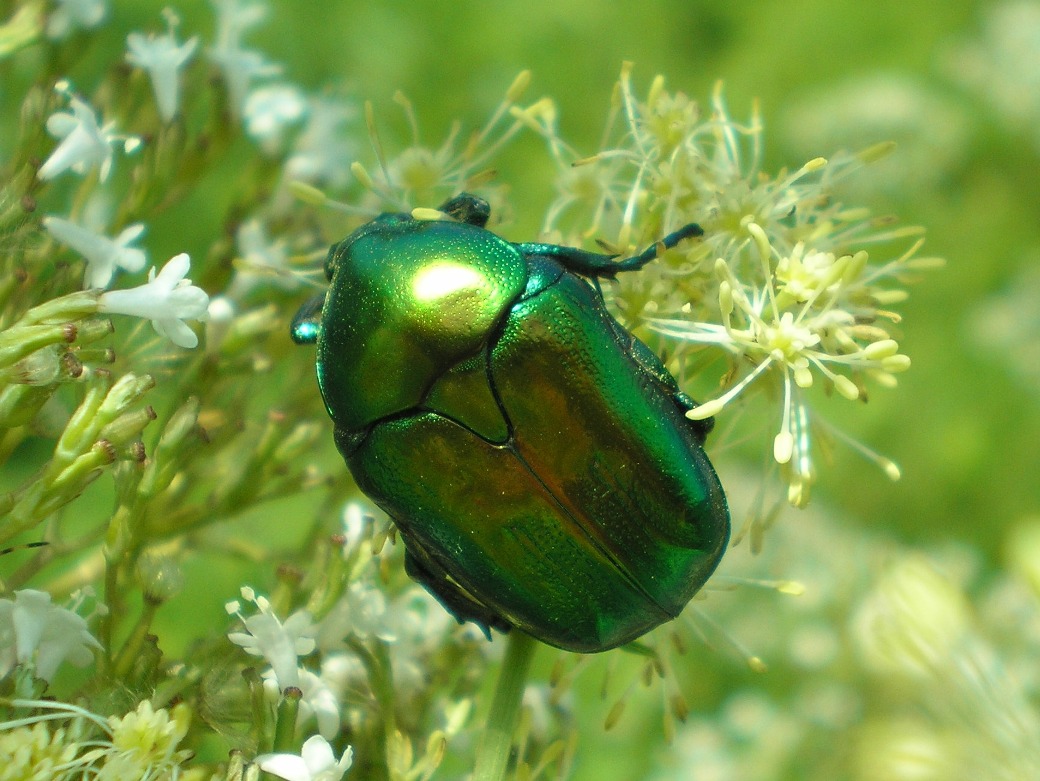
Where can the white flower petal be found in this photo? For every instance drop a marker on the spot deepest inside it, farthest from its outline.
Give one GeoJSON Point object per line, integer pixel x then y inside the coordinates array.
{"type": "Point", "coordinates": [60, 124]}
{"type": "Point", "coordinates": [189, 302]}
{"type": "Point", "coordinates": [316, 762]}
{"type": "Point", "coordinates": [270, 110]}
{"type": "Point", "coordinates": [320, 701]}
{"type": "Point", "coordinates": [177, 332]}
{"type": "Point", "coordinates": [175, 269]}
{"type": "Point", "coordinates": [130, 234]}
{"type": "Point", "coordinates": [70, 15]}
{"type": "Point", "coordinates": [287, 766]}
{"type": "Point", "coordinates": [317, 753]}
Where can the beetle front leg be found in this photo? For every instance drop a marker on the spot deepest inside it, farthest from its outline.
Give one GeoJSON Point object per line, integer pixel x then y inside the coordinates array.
{"type": "Point", "coordinates": [596, 264]}
{"type": "Point", "coordinates": [307, 322]}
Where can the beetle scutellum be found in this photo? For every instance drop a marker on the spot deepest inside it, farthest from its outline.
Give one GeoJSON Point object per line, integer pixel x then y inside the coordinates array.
{"type": "Point", "coordinates": [534, 454]}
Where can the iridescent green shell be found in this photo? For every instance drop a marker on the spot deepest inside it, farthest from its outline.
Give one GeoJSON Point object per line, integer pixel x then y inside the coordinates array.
{"type": "Point", "coordinates": [533, 453]}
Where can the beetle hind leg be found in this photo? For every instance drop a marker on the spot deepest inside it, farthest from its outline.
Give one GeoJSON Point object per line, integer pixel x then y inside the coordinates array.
{"type": "Point", "coordinates": [459, 603]}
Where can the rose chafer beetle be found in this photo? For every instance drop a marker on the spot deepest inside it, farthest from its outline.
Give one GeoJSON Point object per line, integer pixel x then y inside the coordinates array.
{"type": "Point", "coordinates": [533, 453]}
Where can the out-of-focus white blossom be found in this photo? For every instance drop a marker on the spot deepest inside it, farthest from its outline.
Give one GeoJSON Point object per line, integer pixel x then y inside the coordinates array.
{"type": "Point", "coordinates": [103, 255]}
{"type": "Point", "coordinates": [84, 143]}
{"type": "Point", "coordinates": [270, 111]}
{"type": "Point", "coordinates": [71, 15]}
{"type": "Point", "coordinates": [323, 151]}
{"type": "Point", "coordinates": [1002, 64]}
{"type": "Point", "coordinates": [360, 613]}
{"type": "Point", "coordinates": [162, 57]}
{"type": "Point", "coordinates": [913, 621]}
{"type": "Point", "coordinates": [260, 261]}
{"type": "Point", "coordinates": [240, 66]}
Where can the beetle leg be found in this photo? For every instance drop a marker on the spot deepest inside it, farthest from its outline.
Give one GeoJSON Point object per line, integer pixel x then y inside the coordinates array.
{"type": "Point", "coordinates": [468, 208]}
{"type": "Point", "coordinates": [672, 239]}
{"type": "Point", "coordinates": [596, 264]}
{"type": "Point", "coordinates": [307, 322]}
{"type": "Point", "coordinates": [701, 427]}
{"type": "Point", "coordinates": [588, 264]}
{"type": "Point", "coordinates": [456, 601]}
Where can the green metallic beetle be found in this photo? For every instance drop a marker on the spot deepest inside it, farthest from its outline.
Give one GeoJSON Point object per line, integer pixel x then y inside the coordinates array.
{"type": "Point", "coordinates": [534, 454]}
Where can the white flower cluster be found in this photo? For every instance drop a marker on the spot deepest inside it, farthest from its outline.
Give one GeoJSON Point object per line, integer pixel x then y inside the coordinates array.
{"type": "Point", "coordinates": [781, 285]}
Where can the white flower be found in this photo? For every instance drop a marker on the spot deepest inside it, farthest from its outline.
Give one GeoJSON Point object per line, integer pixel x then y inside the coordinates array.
{"type": "Point", "coordinates": [36, 632]}
{"type": "Point", "coordinates": [361, 613]}
{"type": "Point", "coordinates": [315, 763]}
{"type": "Point", "coordinates": [417, 624]}
{"type": "Point", "coordinates": [72, 14]}
{"type": "Point", "coordinates": [357, 525]}
{"type": "Point", "coordinates": [806, 320]}
{"type": "Point", "coordinates": [1002, 63]}
{"type": "Point", "coordinates": [221, 310]}
{"type": "Point", "coordinates": [162, 57]}
{"type": "Point", "coordinates": [280, 644]}
{"type": "Point", "coordinates": [270, 110]}
{"type": "Point", "coordinates": [342, 672]}
{"type": "Point", "coordinates": [103, 255]}
{"type": "Point", "coordinates": [167, 300]}
{"type": "Point", "coordinates": [233, 18]}
{"type": "Point", "coordinates": [264, 260]}
{"type": "Point", "coordinates": [914, 622]}
{"type": "Point", "coordinates": [240, 66]}
{"type": "Point", "coordinates": [84, 144]}
{"type": "Point", "coordinates": [323, 151]}
{"type": "Point", "coordinates": [149, 737]}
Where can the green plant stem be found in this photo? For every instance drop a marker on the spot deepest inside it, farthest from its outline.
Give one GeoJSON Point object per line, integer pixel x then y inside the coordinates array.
{"type": "Point", "coordinates": [131, 651]}
{"type": "Point", "coordinates": [285, 725]}
{"type": "Point", "coordinates": [493, 754]}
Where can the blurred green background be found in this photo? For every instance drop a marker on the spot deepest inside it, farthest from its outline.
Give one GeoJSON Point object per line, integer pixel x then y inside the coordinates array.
{"type": "Point", "coordinates": [956, 84]}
